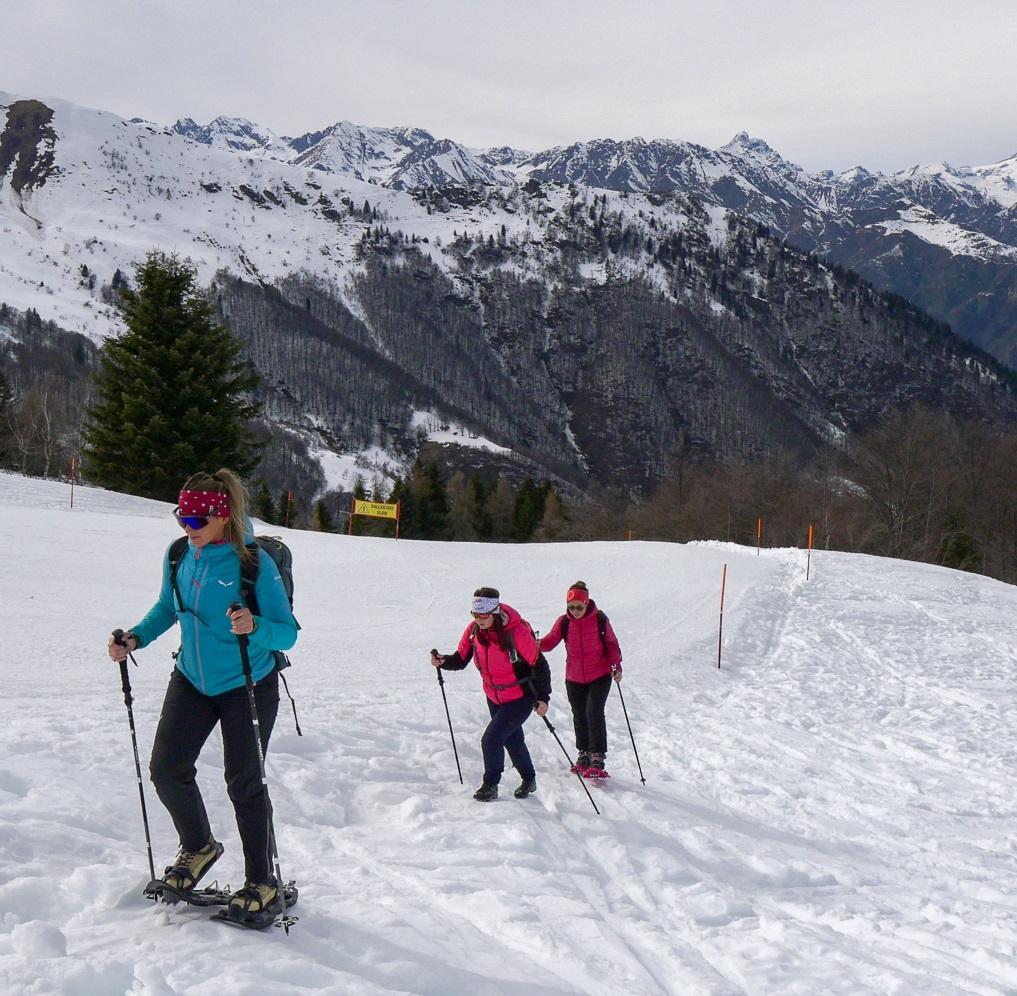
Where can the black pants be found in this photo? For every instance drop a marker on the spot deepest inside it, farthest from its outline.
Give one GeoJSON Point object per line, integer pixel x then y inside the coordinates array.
{"type": "Point", "coordinates": [588, 701]}
{"type": "Point", "coordinates": [187, 720]}
{"type": "Point", "coordinates": [505, 733]}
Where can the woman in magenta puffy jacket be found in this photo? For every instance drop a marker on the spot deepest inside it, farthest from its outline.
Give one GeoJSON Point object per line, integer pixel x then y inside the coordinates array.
{"type": "Point", "coordinates": [592, 658]}
{"type": "Point", "coordinates": [517, 682]}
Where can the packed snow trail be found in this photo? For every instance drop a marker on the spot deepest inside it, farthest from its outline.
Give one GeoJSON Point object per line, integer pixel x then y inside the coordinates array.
{"type": "Point", "coordinates": [833, 811]}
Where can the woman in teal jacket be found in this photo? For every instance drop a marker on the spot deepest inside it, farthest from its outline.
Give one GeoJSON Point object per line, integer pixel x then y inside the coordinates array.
{"type": "Point", "coordinates": [207, 686]}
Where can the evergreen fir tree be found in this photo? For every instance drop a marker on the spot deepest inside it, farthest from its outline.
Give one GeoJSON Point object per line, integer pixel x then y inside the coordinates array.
{"type": "Point", "coordinates": [7, 414]}
{"type": "Point", "coordinates": [528, 511]}
{"type": "Point", "coordinates": [173, 391]}
{"type": "Point", "coordinates": [264, 507]}
{"type": "Point", "coordinates": [477, 497]}
{"type": "Point", "coordinates": [323, 519]}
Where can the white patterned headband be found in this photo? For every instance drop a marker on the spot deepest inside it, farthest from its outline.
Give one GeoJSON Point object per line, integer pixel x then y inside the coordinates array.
{"type": "Point", "coordinates": [484, 604]}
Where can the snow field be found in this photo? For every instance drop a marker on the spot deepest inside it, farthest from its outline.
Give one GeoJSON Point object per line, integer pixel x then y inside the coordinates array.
{"type": "Point", "coordinates": [833, 812]}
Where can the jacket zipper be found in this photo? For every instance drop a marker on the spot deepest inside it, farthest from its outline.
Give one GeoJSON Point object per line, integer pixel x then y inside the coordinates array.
{"type": "Point", "coordinates": [197, 583]}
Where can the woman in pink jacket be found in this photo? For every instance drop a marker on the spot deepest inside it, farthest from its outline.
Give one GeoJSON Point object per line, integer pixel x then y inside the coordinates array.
{"type": "Point", "coordinates": [592, 657]}
{"type": "Point", "coordinates": [517, 682]}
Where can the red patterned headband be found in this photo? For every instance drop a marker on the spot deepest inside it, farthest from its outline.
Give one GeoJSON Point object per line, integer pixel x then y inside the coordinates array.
{"type": "Point", "coordinates": [577, 595]}
{"type": "Point", "coordinates": [204, 503]}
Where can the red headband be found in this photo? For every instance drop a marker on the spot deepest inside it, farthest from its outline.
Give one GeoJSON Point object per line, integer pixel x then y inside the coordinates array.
{"type": "Point", "coordinates": [204, 503]}
{"type": "Point", "coordinates": [577, 595]}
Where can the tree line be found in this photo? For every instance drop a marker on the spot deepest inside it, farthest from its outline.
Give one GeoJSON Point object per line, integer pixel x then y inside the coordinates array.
{"type": "Point", "coordinates": [174, 393]}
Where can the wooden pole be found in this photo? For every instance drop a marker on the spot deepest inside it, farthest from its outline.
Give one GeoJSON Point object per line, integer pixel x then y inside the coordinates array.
{"type": "Point", "coordinates": [398, 512]}
{"type": "Point", "coordinates": [720, 629]}
{"type": "Point", "coordinates": [808, 560]}
{"type": "Point", "coordinates": [289, 505]}
{"type": "Point", "coordinates": [74, 475]}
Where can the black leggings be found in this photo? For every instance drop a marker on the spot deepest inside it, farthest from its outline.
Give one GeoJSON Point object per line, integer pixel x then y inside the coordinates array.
{"type": "Point", "coordinates": [187, 720]}
{"type": "Point", "coordinates": [588, 701]}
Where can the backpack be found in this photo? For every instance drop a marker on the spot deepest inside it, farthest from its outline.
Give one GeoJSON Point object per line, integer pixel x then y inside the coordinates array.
{"type": "Point", "coordinates": [282, 557]}
{"type": "Point", "coordinates": [526, 673]}
{"type": "Point", "coordinates": [601, 628]}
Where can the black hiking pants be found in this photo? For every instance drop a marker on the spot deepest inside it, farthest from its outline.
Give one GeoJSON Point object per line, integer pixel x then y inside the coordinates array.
{"type": "Point", "coordinates": [187, 720]}
{"type": "Point", "coordinates": [588, 701]}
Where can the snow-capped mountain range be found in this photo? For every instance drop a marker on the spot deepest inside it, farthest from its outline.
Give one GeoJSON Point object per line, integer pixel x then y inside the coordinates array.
{"type": "Point", "coordinates": [563, 303]}
{"type": "Point", "coordinates": [911, 232]}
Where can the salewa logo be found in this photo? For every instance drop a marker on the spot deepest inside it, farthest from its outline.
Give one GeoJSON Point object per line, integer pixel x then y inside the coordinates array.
{"type": "Point", "coordinates": [226, 584]}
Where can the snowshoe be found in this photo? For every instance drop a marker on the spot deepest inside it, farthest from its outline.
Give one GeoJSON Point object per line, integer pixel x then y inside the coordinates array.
{"type": "Point", "coordinates": [526, 787]}
{"type": "Point", "coordinates": [161, 891]}
{"type": "Point", "coordinates": [582, 763]}
{"type": "Point", "coordinates": [596, 767]}
{"type": "Point", "coordinates": [256, 907]}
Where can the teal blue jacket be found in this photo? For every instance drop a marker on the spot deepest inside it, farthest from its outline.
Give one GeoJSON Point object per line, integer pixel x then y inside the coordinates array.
{"type": "Point", "coordinates": [209, 581]}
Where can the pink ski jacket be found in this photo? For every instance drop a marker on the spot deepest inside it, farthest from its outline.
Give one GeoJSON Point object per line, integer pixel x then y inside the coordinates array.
{"type": "Point", "coordinates": [586, 658]}
{"type": "Point", "coordinates": [500, 681]}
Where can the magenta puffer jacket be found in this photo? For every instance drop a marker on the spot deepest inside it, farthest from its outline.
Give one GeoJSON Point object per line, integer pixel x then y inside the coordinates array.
{"type": "Point", "coordinates": [586, 658]}
{"type": "Point", "coordinates": [500, 681]}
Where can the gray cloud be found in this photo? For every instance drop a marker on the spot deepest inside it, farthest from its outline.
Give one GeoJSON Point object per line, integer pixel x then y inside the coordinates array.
{"type": "Point", "coordinates": [828, 84]}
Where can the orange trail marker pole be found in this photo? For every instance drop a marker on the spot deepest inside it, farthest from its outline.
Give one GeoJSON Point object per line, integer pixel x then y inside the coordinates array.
{"type": "Point", "coordinates": [759, 533]}
{"type": "Point", "coordinates": [808, 560]}
{"type": "Point", "coordinates": [720, 630]}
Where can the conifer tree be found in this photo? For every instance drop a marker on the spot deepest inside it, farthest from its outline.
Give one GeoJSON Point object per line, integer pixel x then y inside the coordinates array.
{"type": "Point", "coordinates": [323, 519]}
{"type": "Point", "coordinates": [7, 413]}
{"type": "Point", "coordinates": [528, 511]}
{"type": "Point", "coordinates": [173, 391]}
{"type": "Point", "coordinates": [264, 507]}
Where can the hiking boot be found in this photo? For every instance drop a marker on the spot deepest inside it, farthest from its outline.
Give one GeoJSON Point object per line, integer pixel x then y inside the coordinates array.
{"type": "Point", "coordinates": [526, 787]}
{"type": "Point", "coordinates": [596, 762]}
{"type": "Point", "coordinates": [487, 792]}
{"type": "Point", "coordinates": [582, 762]}
{"type": "Point", "coordinates": [190, 866]}
{"type": "Point", "coordinates": [255, 901]}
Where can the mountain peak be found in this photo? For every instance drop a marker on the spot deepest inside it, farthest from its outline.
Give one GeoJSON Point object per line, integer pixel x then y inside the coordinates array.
{"type": "Point", "coordinates": [744, 143]}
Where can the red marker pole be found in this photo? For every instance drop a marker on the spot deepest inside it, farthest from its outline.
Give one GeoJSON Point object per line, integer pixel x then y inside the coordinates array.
{"type": "Point", "coordinates": [74, 475]}
{"type": "Point", "coordinates": [808, 560]}
{"type": "Point", "coordinates": [720, 630]}
{"type": "Point", "coordinates": [759, 533]}
{"type": "Point", "coordinates": [289, 505]}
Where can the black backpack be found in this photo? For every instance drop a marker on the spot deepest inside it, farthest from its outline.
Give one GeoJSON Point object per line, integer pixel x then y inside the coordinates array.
{"type": "Point", "coordinates": [601, 628]}
{"type": "Point", "coordinates": [281, 556]}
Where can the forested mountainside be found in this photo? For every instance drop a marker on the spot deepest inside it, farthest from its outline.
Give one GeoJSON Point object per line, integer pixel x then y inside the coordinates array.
{"type": "Point", "coordinates": [597, 335]}
{"type": "Point", "coordinates": [943, 237]}
{"type": "Point", "coordinates": [616, 377]}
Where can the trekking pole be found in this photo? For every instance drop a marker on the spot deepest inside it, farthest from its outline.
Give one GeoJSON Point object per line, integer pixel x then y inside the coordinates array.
{"type": "Point", "coordinates": [586, 789]}
{"type": "Point", "coordinates": [441, 685]}
{"type": "Point", "coordinates": [617, 685]}
{"type": "Point", "coordinates": [125, 682]}
{"type": "Point", "coordinates": [245, 660]}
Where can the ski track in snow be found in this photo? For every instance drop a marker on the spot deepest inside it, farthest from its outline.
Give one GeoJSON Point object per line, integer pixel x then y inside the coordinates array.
{"type": "Point", "coordinates": [831, 812]}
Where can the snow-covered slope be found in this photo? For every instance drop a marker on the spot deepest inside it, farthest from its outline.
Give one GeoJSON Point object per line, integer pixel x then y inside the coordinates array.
{"type": "Point", "coordinates": [832, 812]}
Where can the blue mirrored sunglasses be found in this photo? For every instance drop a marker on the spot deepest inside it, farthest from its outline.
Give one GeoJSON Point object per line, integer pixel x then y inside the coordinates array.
{"type": "Point", "coordinates": [191, 521]}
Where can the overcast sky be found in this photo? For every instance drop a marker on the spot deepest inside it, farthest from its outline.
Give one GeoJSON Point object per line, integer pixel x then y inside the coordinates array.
{"type": "Point", "coordinates": [828, 84]}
